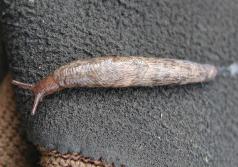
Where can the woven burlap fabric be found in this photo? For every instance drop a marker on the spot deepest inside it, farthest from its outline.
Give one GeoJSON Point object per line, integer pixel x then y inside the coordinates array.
{"type": "Point", "coordinates": [14, 150]}
{"type": "Point", "coordinates": [55, 159]}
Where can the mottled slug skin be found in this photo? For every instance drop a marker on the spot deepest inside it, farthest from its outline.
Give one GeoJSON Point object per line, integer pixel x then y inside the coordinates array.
{"type": "Point", "coordinates": [121, 71]}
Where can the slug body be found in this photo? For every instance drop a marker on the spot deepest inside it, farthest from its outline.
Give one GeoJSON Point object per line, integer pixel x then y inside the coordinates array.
{"type": "Point", "coordinates": [120, 71]}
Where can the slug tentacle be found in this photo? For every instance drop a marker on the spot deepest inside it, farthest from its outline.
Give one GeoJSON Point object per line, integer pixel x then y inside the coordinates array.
{"type": "Point", "coordinates": [23, 85]}
{"type": "Point", "coordinates": [40, 89]}
{"type": "Point", "coordinates": [38, 98]}
{"type": "Point", "coordinates": [120, 71]}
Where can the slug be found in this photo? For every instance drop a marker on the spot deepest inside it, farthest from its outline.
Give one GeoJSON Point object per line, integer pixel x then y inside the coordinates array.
{"type": "Point", "coordinates": [118, 72]}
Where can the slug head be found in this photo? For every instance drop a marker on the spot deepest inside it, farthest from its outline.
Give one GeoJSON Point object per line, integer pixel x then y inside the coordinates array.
{"type": "Point", "coordinates": [42, 88]}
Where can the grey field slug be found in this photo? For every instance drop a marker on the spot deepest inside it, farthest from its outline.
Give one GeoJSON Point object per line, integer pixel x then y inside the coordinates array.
{"type": "Point", "coordinates": [118, 72]}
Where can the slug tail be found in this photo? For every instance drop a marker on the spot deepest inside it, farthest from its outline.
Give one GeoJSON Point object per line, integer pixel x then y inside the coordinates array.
{"type": "Point", "coordinates": [23, 85]}
{"type": "Point", "coordinates": [38, 98]}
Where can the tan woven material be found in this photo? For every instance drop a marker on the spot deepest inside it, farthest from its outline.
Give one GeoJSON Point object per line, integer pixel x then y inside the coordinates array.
{"type": "Point", "coordinates": [55, 159]}
{"type": "Point", "coordinates": [13, 149]}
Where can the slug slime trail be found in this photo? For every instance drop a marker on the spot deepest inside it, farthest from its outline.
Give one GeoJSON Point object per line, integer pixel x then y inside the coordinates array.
{"type": "Point", "coordinates": [229, 71]}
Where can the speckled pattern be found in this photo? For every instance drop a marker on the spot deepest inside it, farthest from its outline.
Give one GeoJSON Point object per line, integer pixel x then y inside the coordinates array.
{"type": "Point", "coordinates": [131, 71]}
{"type": "Point", "coordinates": [3, 59]}
{"type": "Point", "coordinates": [194, 125]}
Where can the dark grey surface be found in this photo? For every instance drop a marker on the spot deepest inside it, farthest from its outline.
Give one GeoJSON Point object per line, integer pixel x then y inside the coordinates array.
{"type": "Point", "coordinates": [194, 125]}
{"type": "Point", "coordinates": [3, 58]}
{"type": "Point", "coordinates": [3, 63]}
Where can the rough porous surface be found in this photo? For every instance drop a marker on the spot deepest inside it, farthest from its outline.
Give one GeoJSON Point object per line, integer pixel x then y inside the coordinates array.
{"type": "Point", "coordinates": [3, 59]}
{"type": "Point", "coordinates": [194, 125]}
